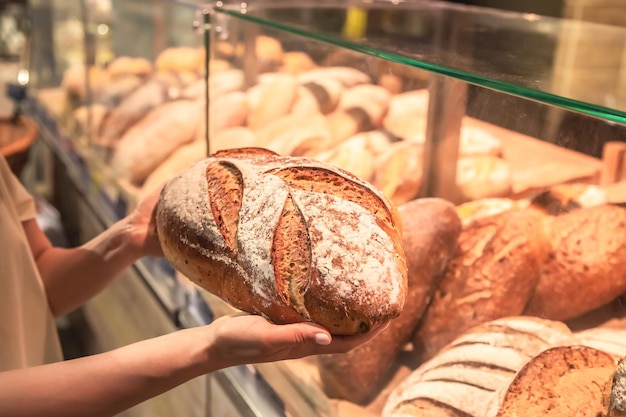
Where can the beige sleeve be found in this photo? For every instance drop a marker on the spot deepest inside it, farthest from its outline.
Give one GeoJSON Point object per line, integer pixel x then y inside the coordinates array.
{"type": "Point", "coordinates": [22, 201]}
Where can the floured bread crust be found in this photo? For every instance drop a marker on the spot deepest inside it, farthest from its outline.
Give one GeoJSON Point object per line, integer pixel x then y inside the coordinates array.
{"type": "Point", "coordinates": [293, 239]}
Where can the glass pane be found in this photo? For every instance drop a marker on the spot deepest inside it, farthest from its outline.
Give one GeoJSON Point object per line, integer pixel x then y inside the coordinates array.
{"type": "Point", "coordinates": [571, 64]}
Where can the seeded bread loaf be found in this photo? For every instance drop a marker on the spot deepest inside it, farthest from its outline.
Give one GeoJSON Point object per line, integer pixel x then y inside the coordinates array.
{"type": "Point", "coordinates": [559, 382]}
{"type": "Point", "coordinates": [587, 264]}
{"type": "Point", "coordinates": [464, 377]}
{"type": "Point", "coordinates": [492, 275]}
{"type": "Point", "coordinates": [292, 239]}
{"type": "Point", "coordinates": [430, 228]}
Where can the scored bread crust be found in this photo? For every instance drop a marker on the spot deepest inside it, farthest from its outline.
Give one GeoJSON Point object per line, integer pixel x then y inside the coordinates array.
{"type": "Point", "coordinates": [292, 239]}
{"type": "Point", "coordinates": [466, 375]}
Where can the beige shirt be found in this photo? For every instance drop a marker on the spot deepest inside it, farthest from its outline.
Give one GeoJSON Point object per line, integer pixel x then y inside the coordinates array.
{"type": "Point", "coordinates": [28, 334]}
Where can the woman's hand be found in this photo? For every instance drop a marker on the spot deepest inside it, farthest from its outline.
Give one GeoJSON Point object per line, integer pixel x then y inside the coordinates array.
{"type": "Point", "coordinates": [245, 339]}
{"type": "Point", "coordinates": [142, 222]}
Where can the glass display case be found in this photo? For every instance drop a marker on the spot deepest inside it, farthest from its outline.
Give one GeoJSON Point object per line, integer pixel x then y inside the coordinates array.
{"type": "Point", "coordinates": [487, 109]}
{"type": "Point", "coordinates": [492, 111]}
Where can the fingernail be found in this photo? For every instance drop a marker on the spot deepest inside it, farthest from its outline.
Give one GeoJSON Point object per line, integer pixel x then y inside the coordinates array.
{"type": "Point", "coordinates": [322, 339]}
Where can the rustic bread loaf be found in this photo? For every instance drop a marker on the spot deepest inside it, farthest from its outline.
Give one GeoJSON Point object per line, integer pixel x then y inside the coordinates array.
{"type": "Point", "coordinates": [562, 381]}
{"type": "Point", "coordinates": [587, 264]}
{"type": "Point", "coordinates": [463, 377]}
{"type": "Point", "coordinates": [492, 275]}
{"type": "Point", "coordinates": [292, 239]}
{"type": "Point", "coordinates": [430, 228]}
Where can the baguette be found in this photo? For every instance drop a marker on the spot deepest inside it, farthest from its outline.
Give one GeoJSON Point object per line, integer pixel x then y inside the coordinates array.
{"type": "Point", "coordinates": [292, 239]}
{"type": "Point", "coordinates": [430, 228]}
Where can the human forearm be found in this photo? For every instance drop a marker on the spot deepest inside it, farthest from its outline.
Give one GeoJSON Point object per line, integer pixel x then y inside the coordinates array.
{"type": "Point", "coordinates": [105, 384]}
{"type": "Point", "coordinates": [72, 276]}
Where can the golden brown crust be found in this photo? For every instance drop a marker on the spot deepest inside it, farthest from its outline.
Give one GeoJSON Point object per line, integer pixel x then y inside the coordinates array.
{"type": "Point", "coordinates": [430, 228]}
{"type": "Point", "coordinates": [586, 267]}
{"type": "Point", "coordinates": [356, 278]}
{"type": "Point", "coordinates": [561, 381]}
{"type": "Point", "coordinates": [463, 379]}
{"type": "Point", "coordinates": [492, 275]}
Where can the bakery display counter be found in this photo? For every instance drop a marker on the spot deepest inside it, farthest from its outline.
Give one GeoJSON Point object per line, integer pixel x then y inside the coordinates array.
{"type": "Point", "coordinates": [421, 99]}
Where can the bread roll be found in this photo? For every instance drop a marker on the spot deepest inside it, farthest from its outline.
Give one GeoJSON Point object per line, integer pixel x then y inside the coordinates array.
{"type": "Point", "coordinates": [275, 100]}
{"type": "Point", "coordinates": [587, 264]}
{"type": "Point", "coordinates": [125, 65]}
{"type": "Point", "coordinates": [296, 62]}
{"type": "Point", "coordinates": [562, 381]}
{"type": "Point", "coordinates": [462, 379]}
{"type": "Point", "coordinates": [231, 138]}
{"type": "Point", "coordinates": [347, 76]}
{"type": "Point", "coordinates": [112, 92]}
{"type": "Point", "coordinates": [399, 171]}
{"type": "Point", "coordinates": [182, 58]}
{"type": "Point", "coordinates": [430, 228]}
{"type": "Point", "coordinates": [292, 239]}
{"type": "Point", "coordinates": [150, 142]}
{"type": "Point", "coordinates": [492, 275]}
{"type": "Point", "coordinates": [295, 134]}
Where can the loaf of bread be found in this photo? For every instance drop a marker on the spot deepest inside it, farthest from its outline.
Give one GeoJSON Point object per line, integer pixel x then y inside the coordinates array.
{"type": "Point", "coordinates": [430, 228]}
{"type": "Point", "coordinates": [492, 275]}
{"type": "Point", "coordinates": [586, 267]}
{"type": "Point", "coordinates": [150, 142]}
{"type": "Point", "coordinates": [133, 108]}
{"type": "Point", "coordinates": [606, 339]}
{"type": "Point", "coordinates": [463, 378]}
{"type": "Point", "coordinates": [292, 239]}
{"type": "Point", "coordinates": [562, 381]}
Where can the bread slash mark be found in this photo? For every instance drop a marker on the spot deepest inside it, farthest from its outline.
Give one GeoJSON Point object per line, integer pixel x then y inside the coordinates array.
{"type": "Point", "coordinates": [225, 185]}
{"type": "Point", "coordinates": [291, 257]}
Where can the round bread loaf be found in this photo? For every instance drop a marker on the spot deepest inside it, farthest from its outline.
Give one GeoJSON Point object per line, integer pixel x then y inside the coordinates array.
{"type": "Point", "coordinates": [292, 239]}
{"type": "Point", "coordinates": [562, 381]}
